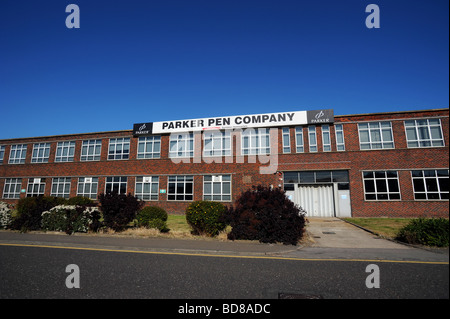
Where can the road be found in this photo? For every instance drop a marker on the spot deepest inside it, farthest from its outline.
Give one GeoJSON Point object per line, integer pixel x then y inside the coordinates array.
{"type": "Point", "coordinates": [39, 271]}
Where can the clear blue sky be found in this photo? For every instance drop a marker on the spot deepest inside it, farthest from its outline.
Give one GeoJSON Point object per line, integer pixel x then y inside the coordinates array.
{"type": "Point", "coordinates": [142, 61]}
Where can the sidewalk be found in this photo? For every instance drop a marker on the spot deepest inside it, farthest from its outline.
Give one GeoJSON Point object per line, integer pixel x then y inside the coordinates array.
{"type": "Point", "coordinates": [325, 238]}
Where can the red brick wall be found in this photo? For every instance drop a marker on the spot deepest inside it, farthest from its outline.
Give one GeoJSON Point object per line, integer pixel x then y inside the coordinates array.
{"type": "Point", "coordinates": [244, 175]}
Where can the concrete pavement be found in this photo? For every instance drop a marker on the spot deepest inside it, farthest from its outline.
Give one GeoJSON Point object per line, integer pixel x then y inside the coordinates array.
{"type": "Point", "coordinates": [325, 238]}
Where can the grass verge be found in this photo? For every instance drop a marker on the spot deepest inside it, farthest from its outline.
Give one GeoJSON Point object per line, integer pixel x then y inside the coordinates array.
{"type": "Point", "coordinates": [386, 227]}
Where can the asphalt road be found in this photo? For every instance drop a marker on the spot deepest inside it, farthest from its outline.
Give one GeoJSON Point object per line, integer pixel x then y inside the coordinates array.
{"type": "Point", "coordinates": [40, 272]}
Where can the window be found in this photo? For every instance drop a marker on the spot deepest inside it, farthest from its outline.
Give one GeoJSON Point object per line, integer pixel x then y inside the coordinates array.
{"type": "Point", "coordinates": [181, 145]}
{"type": "Point", "coordinates": [424, 133]}
{"type": "Point", "coordinates": [375, 135]}
{"type": "Point", "coordinates": [12, 188]}
{"type": "Point", "coordinates": [217, 187]}
{"type": "Point", "coordinates": [255, 141]}
{"type": "Point", "coordinates": [65, 151]}
{"type": "Point", "coordinates": [312, 138]}
{"type": "Point", "coordinates": [381, 185]}
{"type": "Point", "coordinates": [430, 184]}
{"type": "Point", "coordinates": [87, 187]}
{"type": "Point", "coordinates": [18, 154]}
{"type": "Point", "coordinates": [36, 187]}
{"type": "Point", "coordinates": [340, 143]}
{"type": "Point", "coordinates": [286, 140]}
{"type": "Point", "coordinates": [2, 153]}
{"type": "Point", "coordinates": [91, 150]}
{"type": "Point", "coordinates": [326, 141]}
{"type": "Point", "coordinates": [299, 139]}
{"type": "Point", "coordinates": [119, 148]}
{"type": "Point", "coordinates": [41, 152]}
{"type": "Point", "coordinates": [61, 187]}
{"type": "Point", "coordinates": [149, 147]}
{"type": "Point", "coordinates": [147, 187]}
{"type": "Point", "coordinates": [217, 143]}
{"type": "Point", "coordinates": [180, 188]}
{"type": "Point", "coordinates": [116, 184]}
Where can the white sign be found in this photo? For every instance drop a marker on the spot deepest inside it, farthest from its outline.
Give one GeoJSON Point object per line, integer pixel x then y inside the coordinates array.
{"type": "Point", "coordinates": [256, 120]}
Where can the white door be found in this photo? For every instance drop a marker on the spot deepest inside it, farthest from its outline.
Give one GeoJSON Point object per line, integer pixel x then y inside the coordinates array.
{"type": "Point", "coordinates": [317, 200]}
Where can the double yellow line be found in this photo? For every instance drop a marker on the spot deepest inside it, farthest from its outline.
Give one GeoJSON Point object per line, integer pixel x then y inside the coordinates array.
{"type": "Point", "coordinates": [226, 256]}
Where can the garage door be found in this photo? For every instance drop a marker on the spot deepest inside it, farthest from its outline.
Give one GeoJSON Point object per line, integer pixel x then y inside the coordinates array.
{"type": "Point", "coordinates": [317, 200]}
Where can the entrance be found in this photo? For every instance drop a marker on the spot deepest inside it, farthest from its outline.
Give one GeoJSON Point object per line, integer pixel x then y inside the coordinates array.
{"type": "Point", "coordinates": [317, 200]}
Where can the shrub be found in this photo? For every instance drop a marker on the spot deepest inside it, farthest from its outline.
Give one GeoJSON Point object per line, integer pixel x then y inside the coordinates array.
{"type": "Point", "coordinates": [30, 209]}
{"type": "Point", "coordinates": [151, 212]}
{"type": "Point", "coordinates": [5, 215]}
{"type": "Point", "coordinates": [71, 218]}
{"type": "Point", "coordinates": [206, 217]}
{"type": "Point", "coordinates": [153, 217]}
{"type": "Point", "coordinates": [80, 201]}
{"type": "Point", "coordinates": [266, 215]}
{"type": "Point", "coordinates": [426, 231]}
{"type": "Point", "coordinates": [118, 209]}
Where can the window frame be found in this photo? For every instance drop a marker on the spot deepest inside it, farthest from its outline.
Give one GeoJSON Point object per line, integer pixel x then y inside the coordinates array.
{"type": "Point", "coordinates": [217, 179]}
{"type": "Point", "coordinates": [326, 147]}
{"type": "Point", "coordinates": [179, 180]}
{"type": "Point", "coordinates": [35, 188]}
{"type": "Point", "coordinates": [312, 131]}
{"type": "Point", "coordinates": [18, 149]}
{"type": "Point", "coordinates": [66, 150]}
{"type": "Point", "coordinates": [436, 178]}
{"type": "Point", "coordinates": [299, 148]}
{"type": "Point", "coordinates": [380, 193]}
{"type": "Point", "coordinates": [149, 142]}
{"type": "Point", "coordinates": [119, 148]}
{"type": "Point", "coordinates": [340, 145]}
{"type": "Point", "coordinates": [120, 181]}
{"type": "Point", "coordinates": [95, 145]}
{"type": "Point", "coordinates": [91, 184]}
{"type": "Point", "coordinates": [152, 196]}
{"type": "Point", "coordinates": [417, 131]}
{"type": "Point", "coordinates": [255, 138]}
{"type": "Point", "coordinates": [286, 144]}
{"type": "Point", "coordinates": [12, 182]}
{"type": "Point", "coordinates": [181, 145]}
{"type": "Point", "coordinates": [379, 130]}
{"type": "Point", "coordinates": [56, 182]}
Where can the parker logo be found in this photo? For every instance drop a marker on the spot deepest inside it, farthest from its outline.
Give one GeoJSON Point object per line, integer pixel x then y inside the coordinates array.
{"type": "Point", "coordinates": [142, 129]}
{"type": "Point", "coordinates": [320, 116]}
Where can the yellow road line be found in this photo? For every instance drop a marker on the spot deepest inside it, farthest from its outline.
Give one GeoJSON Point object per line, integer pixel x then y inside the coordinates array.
{"type": "Point", "coordinates": [228, 256]}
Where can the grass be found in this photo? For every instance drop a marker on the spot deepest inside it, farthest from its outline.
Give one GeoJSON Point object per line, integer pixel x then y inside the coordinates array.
{"type": "Point", "coordinates": [386, 227]}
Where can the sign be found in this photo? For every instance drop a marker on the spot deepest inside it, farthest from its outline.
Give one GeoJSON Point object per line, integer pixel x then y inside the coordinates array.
{"type": "Point", "coordinates": [232, 122]}
{"type": "Point", "coordinates": [162, 191]}
{"type": "Point", "coordinates": [142, 129]}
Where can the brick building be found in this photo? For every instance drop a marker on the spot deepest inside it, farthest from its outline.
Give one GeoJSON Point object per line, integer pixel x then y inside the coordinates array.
{"type": "Point", "coordinates": [365, 165]}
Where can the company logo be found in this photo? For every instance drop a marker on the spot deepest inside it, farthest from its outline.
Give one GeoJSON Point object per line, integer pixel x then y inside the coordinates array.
{"type": "Point", "coordinates": [321, 116]}
{"type": "Point", "coordinates": [142, 129]}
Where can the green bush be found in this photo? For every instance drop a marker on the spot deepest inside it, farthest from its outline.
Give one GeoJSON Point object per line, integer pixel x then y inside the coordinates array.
{"type": "Point", "coordinates": [426, 231]}
{"type": "Point", "coordinates": [153, 217]}
{"type": "Point", "coordinates": [149, 213]}
{"type": "Point", "coordinates": [71, 218]}
{"type": "Point", "coordinates": [158, 224]}
{"type": "Point", "coordinates": [206, 217]}
{"type": "Point", "coordinates": [5, 215]}
{"type": "Point", "coordinates": [30, 209]}
{"type": "Point", "coordinates": [80, 201]}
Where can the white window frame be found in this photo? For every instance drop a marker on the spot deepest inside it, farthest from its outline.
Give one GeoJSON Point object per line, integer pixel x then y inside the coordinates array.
{"type": "Point", "coordinates": [255, 141]}
{"type": "Point", "coordinates": [61, 187]}
{"type": "Point", "coordinates": [36, 187]}
{"type": "Point", "coordinates": [216, 143]}
{"type": "Point", "coordinates": [41, 153]}
{"type": "Point", "coordinates": [65, 151]}
{"type": "Point", "coordinates": [149, 147]}
{"type": "Point", "coordinates": [299, 143]}
{"type": "Point", "coordinates": [92, 183]}
{"type": "Point", "coordinates": [217, 185]}
{"type": "Point", "coordinates": [112, 182]}
{"type": "Point", "coordinates": [326, 138]}
{"type": "Point", "coordinates": [312, 134]}
{"type": "Point", "coordinates": [94, 145]}
{"type": "Point", "coordinates": [376, 129]}
{"type": "Point", "coordinates": [428, 194]}
{"type": "Point", "coordinates": [12, 188]}
{"type": "Point", "coordinates": [340, 139]}
{"type": "Point", "coordinates": [379, 194]}
{"type": "Point", "coordinates": [119, 148]}
{"type": "Point", "coordinates": [147, 182]}
{"type": "Point", "coordinates": [286, 139]}
{"type": "Point", "coordinates": [181, 145]}
{"type": "Point", "coordinates": [18, 154]}
{"type": "Point", "coordinates": [421, 142]}
{"type": "Point", "coordinates": [2, 153]}
{"type": "Point", "coordinates": [180, 180]}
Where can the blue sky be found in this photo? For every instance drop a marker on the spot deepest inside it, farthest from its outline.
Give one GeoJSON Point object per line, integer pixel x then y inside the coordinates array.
{"type": "Point", "coordinates": [142, 61]}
